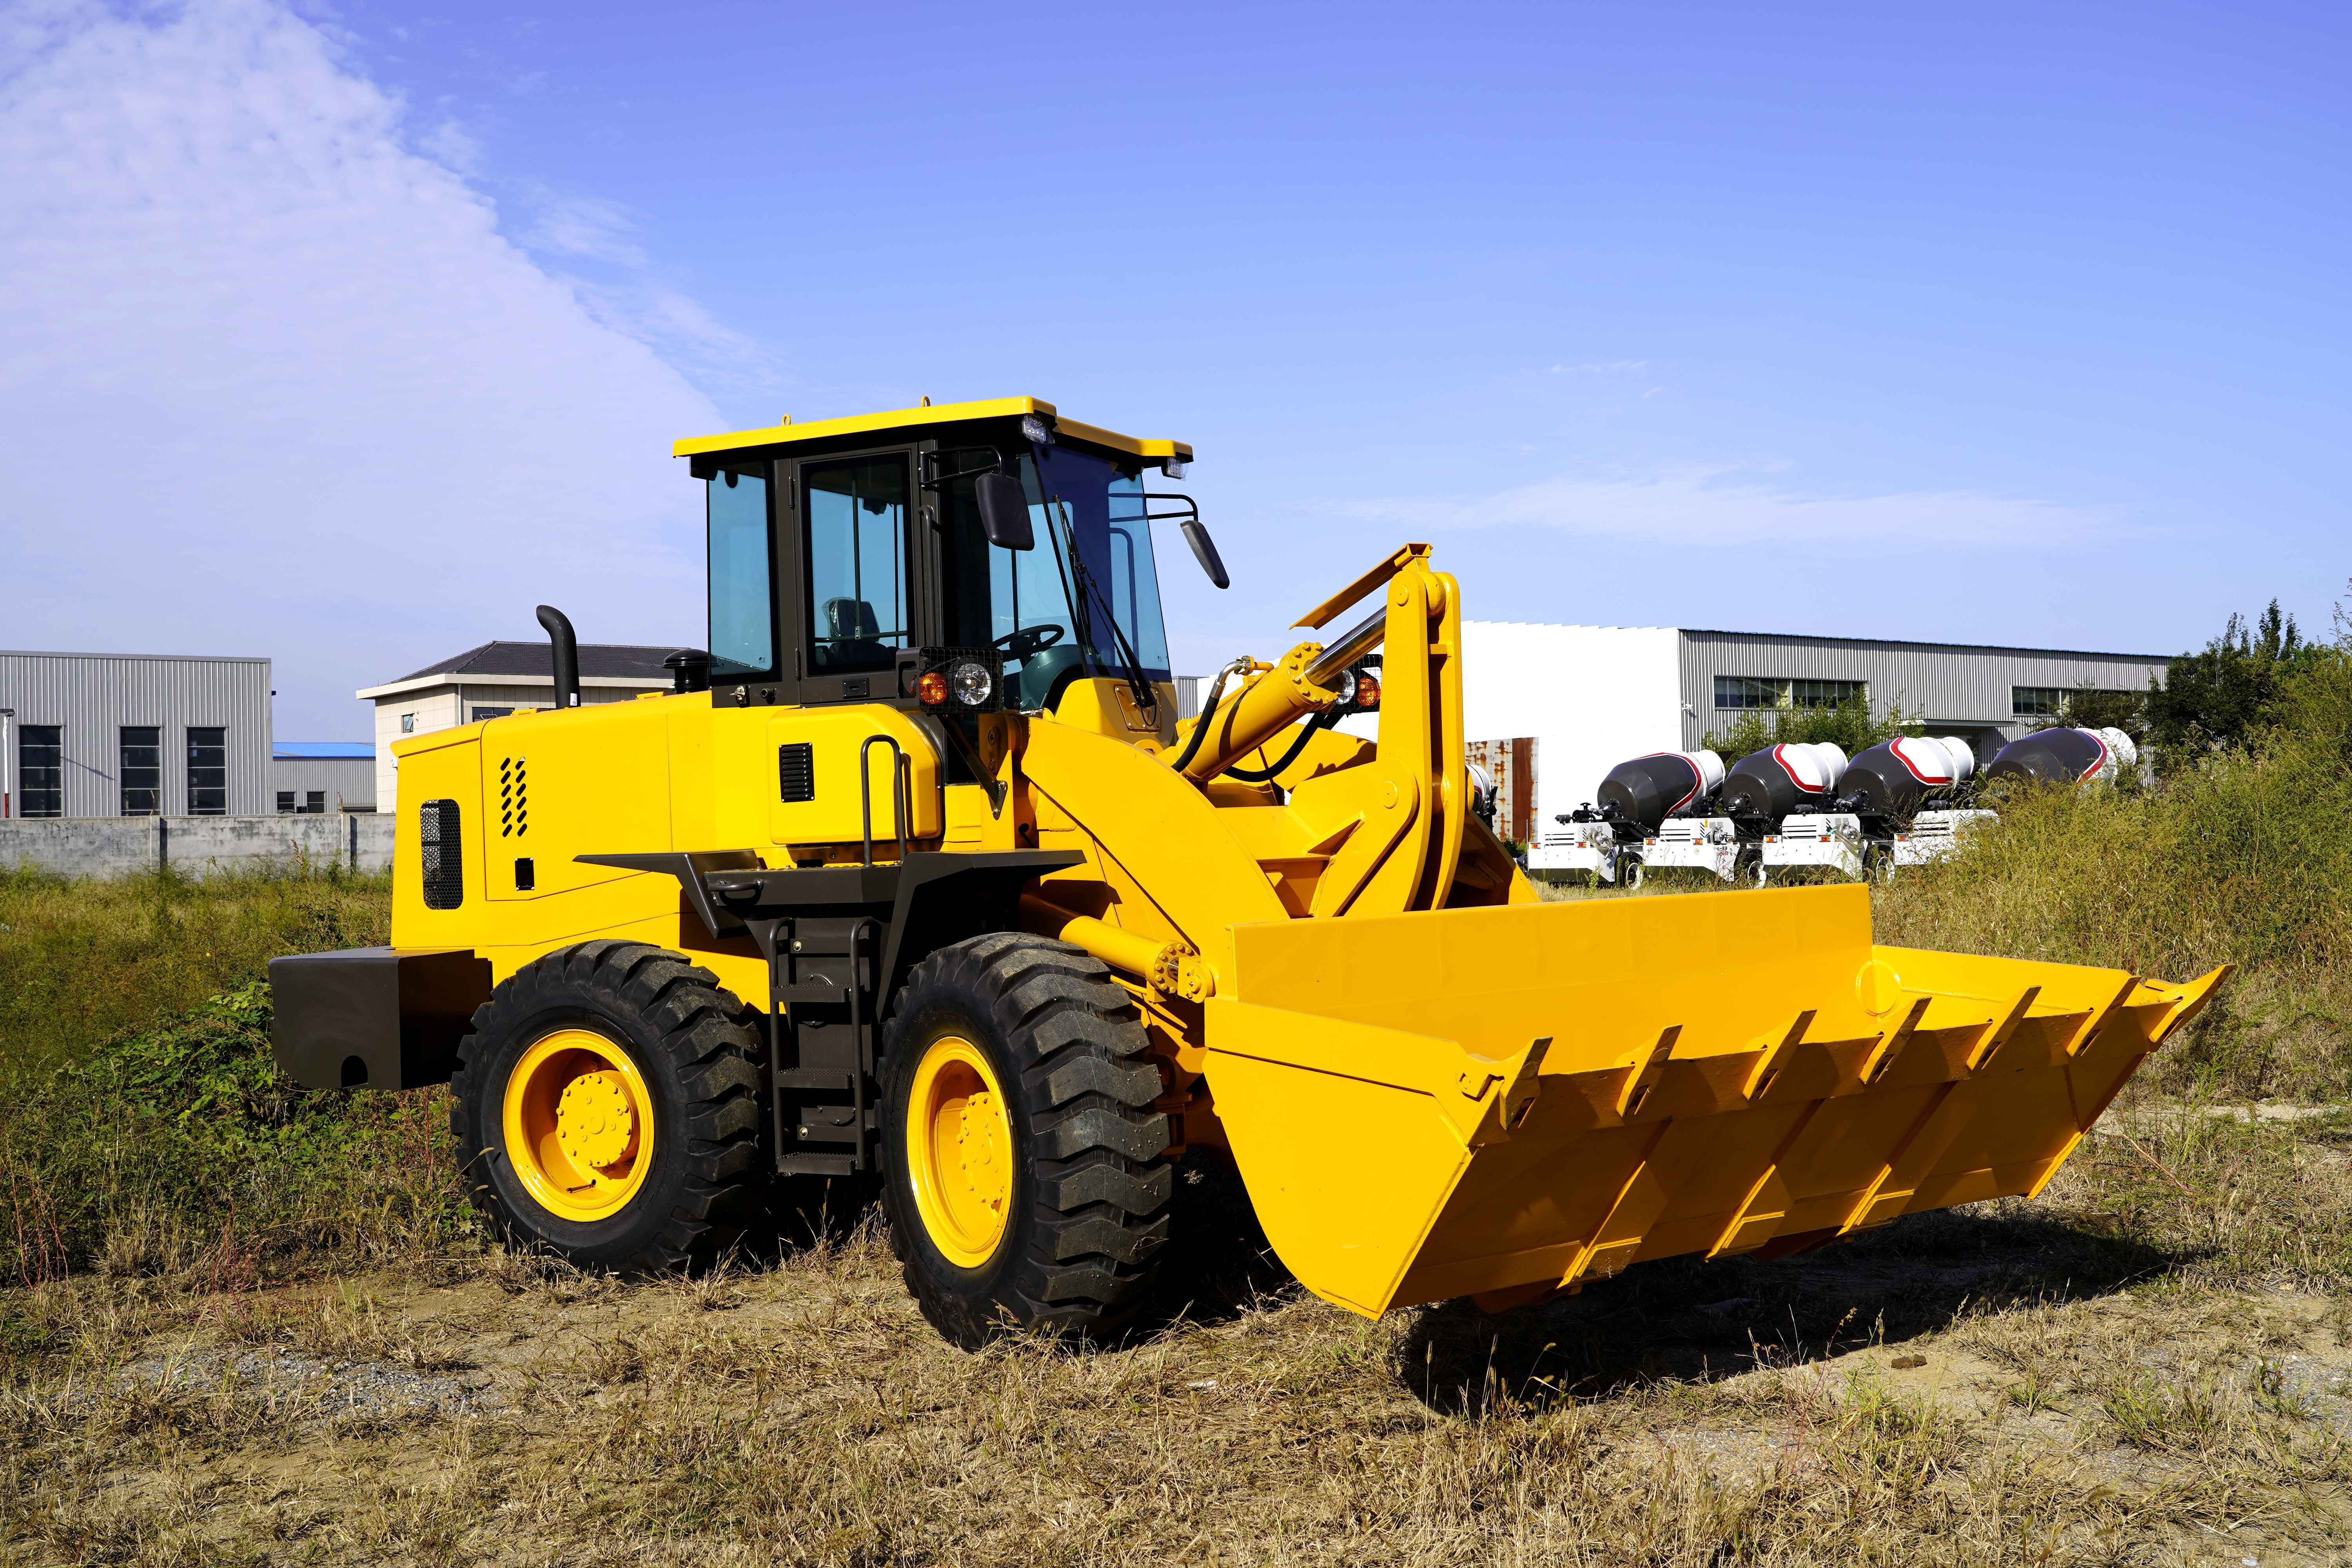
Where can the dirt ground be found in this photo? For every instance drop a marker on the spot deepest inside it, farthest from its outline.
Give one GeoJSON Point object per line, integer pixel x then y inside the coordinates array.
{"type": "Point", "coordinates": [2151, 1365]}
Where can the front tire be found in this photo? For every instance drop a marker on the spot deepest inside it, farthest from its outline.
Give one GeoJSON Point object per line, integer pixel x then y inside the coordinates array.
{"type": "Point", "coordinates": [1026, 1170]}
{"type": "Point", "coordinates": [606, 1109]}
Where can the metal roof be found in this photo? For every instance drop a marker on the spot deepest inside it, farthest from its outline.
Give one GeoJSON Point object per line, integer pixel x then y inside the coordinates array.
{"type": "Point", "coordinates": [322, 750]}
{"type": "Point", "coordinates": [1908, 642]}
{"type": "Point", "coordinates": [605, 661]}
{"type": "Point", "coordinates": [929, 414]}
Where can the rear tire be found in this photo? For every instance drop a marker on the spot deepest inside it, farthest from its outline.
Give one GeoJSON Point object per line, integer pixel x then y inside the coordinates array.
{"type": "Point", "coordinates": [627, 1069]}
{"type": "Point", "coordinates": [1025, 1171]}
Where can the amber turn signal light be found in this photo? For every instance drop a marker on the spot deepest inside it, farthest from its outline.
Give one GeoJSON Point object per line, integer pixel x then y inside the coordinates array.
{"type": "Point", "coordinates": [932, 689]}
{"type": "Point", "coordinates": [1368, 691]}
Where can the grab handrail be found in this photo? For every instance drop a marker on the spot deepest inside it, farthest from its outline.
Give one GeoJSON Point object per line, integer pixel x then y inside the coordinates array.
{"type": "Point", "coordinates": [900, 789]}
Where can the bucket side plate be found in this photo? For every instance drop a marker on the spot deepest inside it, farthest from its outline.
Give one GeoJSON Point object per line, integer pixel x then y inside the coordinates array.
{"type": "Point", "coordinates": [1507, 1101]}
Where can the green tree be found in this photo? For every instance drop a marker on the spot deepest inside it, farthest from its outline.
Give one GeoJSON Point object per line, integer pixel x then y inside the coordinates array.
{"type": "Point", "coordinates": [2089, 707]}
{"type": "Point", "coordinates": [2215, 701]}
{"type": "Point", "coordinates": [1850, 725]}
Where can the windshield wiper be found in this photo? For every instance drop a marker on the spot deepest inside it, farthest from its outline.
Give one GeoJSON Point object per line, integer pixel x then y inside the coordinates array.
{"type": "Point", "coordinates": [1147, 701]}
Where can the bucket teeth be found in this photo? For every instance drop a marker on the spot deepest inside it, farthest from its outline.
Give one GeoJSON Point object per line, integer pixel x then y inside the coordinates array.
{"type": "Point", "coordinates": [1501, 1101]}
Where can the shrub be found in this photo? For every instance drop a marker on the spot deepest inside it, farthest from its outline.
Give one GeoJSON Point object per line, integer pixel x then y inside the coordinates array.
{"type": "Point", "coordinates": [2245, 857]}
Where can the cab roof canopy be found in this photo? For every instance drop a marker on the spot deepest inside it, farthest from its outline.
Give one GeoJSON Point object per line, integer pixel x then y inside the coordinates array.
{"type": "Point", "coordinates": [928, 420]}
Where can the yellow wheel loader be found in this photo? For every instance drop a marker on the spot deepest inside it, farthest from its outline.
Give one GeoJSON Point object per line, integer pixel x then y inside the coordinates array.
{"type": "Point", "coordinates": [918, 872]}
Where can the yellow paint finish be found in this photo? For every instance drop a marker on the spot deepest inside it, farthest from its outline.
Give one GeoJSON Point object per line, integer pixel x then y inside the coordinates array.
{"type": "Point", "coordinates": [554, 783]}
{"type": "Point", "coordinates": [838, 815]}
{"type": "Point", "coordinates": [921, 420]}
{"type": "Point", "coordinates": [1159, 829]}
{"type": "Point", "coordinates": [1268, 703]}
{"type": "Point", "coordinates": [959, 1152]}
{"type": "Point", "coordinates": [1710, 1080]}
{"type": "Point", "coordinates": [1103, 706]}
{"type": "Point", "coordinates": [577, 1120]}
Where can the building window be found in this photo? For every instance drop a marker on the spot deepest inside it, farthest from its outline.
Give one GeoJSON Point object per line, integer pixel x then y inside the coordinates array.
{"type": "Point", "coordinates": [1741, 692]}
{"type": "Point", "coordinates": [1746, 691]}
{"type": "Point", "coordinates": [141, 770]}
{"type": "Point", "coordinates": [1825, 693]}
{"type": "Point", "coordinates": [408, 724]}
{"type": "Point", "coordinates": [2035, 702]}
{"type": "Point", "coordinates": [41, 769]}
{"type": "Point", "coordinates": [285, 803]}
{"type": "Point", "coordinates": [482, 713]}
{"type": "Point", "coordinates": [315, 803]}
{"type": "Point", "coordinates": [207, 772]}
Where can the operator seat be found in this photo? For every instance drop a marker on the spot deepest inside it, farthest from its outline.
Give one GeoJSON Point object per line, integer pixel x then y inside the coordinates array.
{"type": "Point", "coordinates": [852, 637]}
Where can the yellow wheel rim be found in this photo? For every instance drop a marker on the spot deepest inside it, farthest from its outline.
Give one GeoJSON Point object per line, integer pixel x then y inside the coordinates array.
{"type": "Point", "coordinates": [960, 1151]}
{"type": "Point", "coordinates": [579, 1124]}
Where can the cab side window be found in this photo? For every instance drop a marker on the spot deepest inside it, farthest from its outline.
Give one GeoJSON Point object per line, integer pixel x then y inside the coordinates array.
{"type": "Point", "coordinates": [856, 563]}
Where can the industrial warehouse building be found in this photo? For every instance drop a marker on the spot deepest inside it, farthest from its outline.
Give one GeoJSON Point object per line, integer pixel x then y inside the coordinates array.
{"type": "Point", "coordinates": [1592, 696]}
{"type": "Point", "coordinates": [135, 734]}
{"type": "Point", "coordinates": [308, 777]}
{"type": "Point", "coordinates": [116, 734]}
{"type": "Point", "coordinates": [494, 681]}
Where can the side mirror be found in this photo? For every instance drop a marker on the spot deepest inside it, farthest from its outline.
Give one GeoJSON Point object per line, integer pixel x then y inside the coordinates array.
{"type": "Point", "coordinates": [1204, 550]}
{"type": "Point", "coordinates": [1004, 512]}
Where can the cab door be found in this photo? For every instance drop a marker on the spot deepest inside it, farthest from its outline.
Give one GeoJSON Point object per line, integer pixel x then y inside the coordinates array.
{"type": "Point", "coordinates": [852, 529]}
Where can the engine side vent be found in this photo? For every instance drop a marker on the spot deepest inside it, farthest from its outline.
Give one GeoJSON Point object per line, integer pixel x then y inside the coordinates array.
{"type": "Point", "coordinates": [796, 772]}
{"type": "Point", "coordinates": [440, 856]}
{"type": "Point", "coordinates": [514, 797]}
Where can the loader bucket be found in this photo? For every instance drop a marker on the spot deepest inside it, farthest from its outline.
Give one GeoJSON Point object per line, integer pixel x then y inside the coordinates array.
{"type": "Point", "coordinates": [1504, 1103]}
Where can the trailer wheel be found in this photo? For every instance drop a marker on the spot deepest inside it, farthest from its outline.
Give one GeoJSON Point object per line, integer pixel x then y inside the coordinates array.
{"type": "Point", "coordinates": [606, 1109]}
{"type": "Point", "coordinates": [1026, 1169]}
{"type": "Point", "coordinates": [1754, 872]}
{"type": "Point", "coordinates": [1629, 873]}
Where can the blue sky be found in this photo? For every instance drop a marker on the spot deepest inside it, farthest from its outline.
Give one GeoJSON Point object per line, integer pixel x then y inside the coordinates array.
{"type": "Point", "coordinates": [344, 336]}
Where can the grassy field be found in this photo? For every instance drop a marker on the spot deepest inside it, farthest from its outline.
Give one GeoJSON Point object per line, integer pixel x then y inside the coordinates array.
{"type": "Point", "coordinates": [239, 1324]}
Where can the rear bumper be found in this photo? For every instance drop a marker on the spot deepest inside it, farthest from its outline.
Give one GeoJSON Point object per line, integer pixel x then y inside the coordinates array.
{"type": "Point", "coordinates": [373, 1017]}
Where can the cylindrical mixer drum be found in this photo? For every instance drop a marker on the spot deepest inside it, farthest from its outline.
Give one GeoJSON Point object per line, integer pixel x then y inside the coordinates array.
{"type": "Point", "coordinates": [1893, 777]}
{"type": "Point", "coordinates": [2065, 756]}
{"type": "Point", "coordinates": [1773, 782]}
{"type": "Point", "coordinates": [1650, 789]}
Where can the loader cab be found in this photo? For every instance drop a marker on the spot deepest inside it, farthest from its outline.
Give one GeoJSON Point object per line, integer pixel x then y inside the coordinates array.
{"type": "Point", "coordinates": [843, 555]}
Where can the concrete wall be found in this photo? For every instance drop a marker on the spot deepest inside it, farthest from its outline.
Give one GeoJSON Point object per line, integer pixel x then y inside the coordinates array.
{"type": "Point", "coordinates": [195, 846]}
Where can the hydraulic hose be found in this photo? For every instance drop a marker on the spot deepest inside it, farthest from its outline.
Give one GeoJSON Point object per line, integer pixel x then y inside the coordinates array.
{"type": "Point", "coordinates": [1208, 711]}
{"type": "Point", "coordinates": [1320, 721]}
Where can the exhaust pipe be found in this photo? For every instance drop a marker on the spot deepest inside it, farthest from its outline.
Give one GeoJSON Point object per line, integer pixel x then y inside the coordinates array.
{"type": "Point", "coordinates": [566, 648]}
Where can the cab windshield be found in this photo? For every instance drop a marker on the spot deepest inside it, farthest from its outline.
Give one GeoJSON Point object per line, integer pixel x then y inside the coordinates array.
{"type": "Point", "coordinates": [1086, 601]}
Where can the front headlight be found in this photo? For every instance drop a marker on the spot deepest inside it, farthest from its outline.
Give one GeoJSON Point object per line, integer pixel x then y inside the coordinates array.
{"type": "Point", "coordinates": [972, 683]}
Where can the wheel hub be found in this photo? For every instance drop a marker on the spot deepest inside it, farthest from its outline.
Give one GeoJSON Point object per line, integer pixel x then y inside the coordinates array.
{"type": "Point", "coordinates": [980, 1139]}
{"type": "Point", "coordinates": [959, 1152]}
{"type": "Point", "coordinates": [578, 1124]}
{"type": "Point", "coordinates": [595, 1122]}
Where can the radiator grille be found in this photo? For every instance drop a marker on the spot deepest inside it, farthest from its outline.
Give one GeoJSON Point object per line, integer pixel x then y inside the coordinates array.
{"type": "Point", "coordinates": [796, 772]}
{"type": "Point", "coordinates": [514, 797]}
{"type": "Point", "coordinates": [439, 855]}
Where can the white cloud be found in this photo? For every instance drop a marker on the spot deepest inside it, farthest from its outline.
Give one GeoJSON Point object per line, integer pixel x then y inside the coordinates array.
{"type": "Point", "coordinates": [1702, 506]}
{"type": "Point", "coordinates": [274, 381]}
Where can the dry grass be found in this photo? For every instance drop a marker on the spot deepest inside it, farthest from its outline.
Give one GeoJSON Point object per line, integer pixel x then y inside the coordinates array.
{"type": "Point", "coordinates": [2149, 1366]}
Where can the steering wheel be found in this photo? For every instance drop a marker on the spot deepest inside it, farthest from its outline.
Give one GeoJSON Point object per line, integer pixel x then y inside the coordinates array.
{"type": "Point", "coordinates": [1029, 641]}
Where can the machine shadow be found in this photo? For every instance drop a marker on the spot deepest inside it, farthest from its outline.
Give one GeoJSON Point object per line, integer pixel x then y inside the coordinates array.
{"type": "Point", "coordinates": [1687, 1320]}
{"type": "Point", "coordinates": [1218, 1263]}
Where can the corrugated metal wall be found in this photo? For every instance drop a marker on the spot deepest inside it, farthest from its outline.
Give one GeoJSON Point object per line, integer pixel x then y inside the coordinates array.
{"type": "Point", "coordinates": [1965, 688]}
{"type": "Point", "coordinates": [92, 696]}
{"type": "Point", "coordinates": [348, 782]}
{"type": "Point", "coordinates": [1512, 764]}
